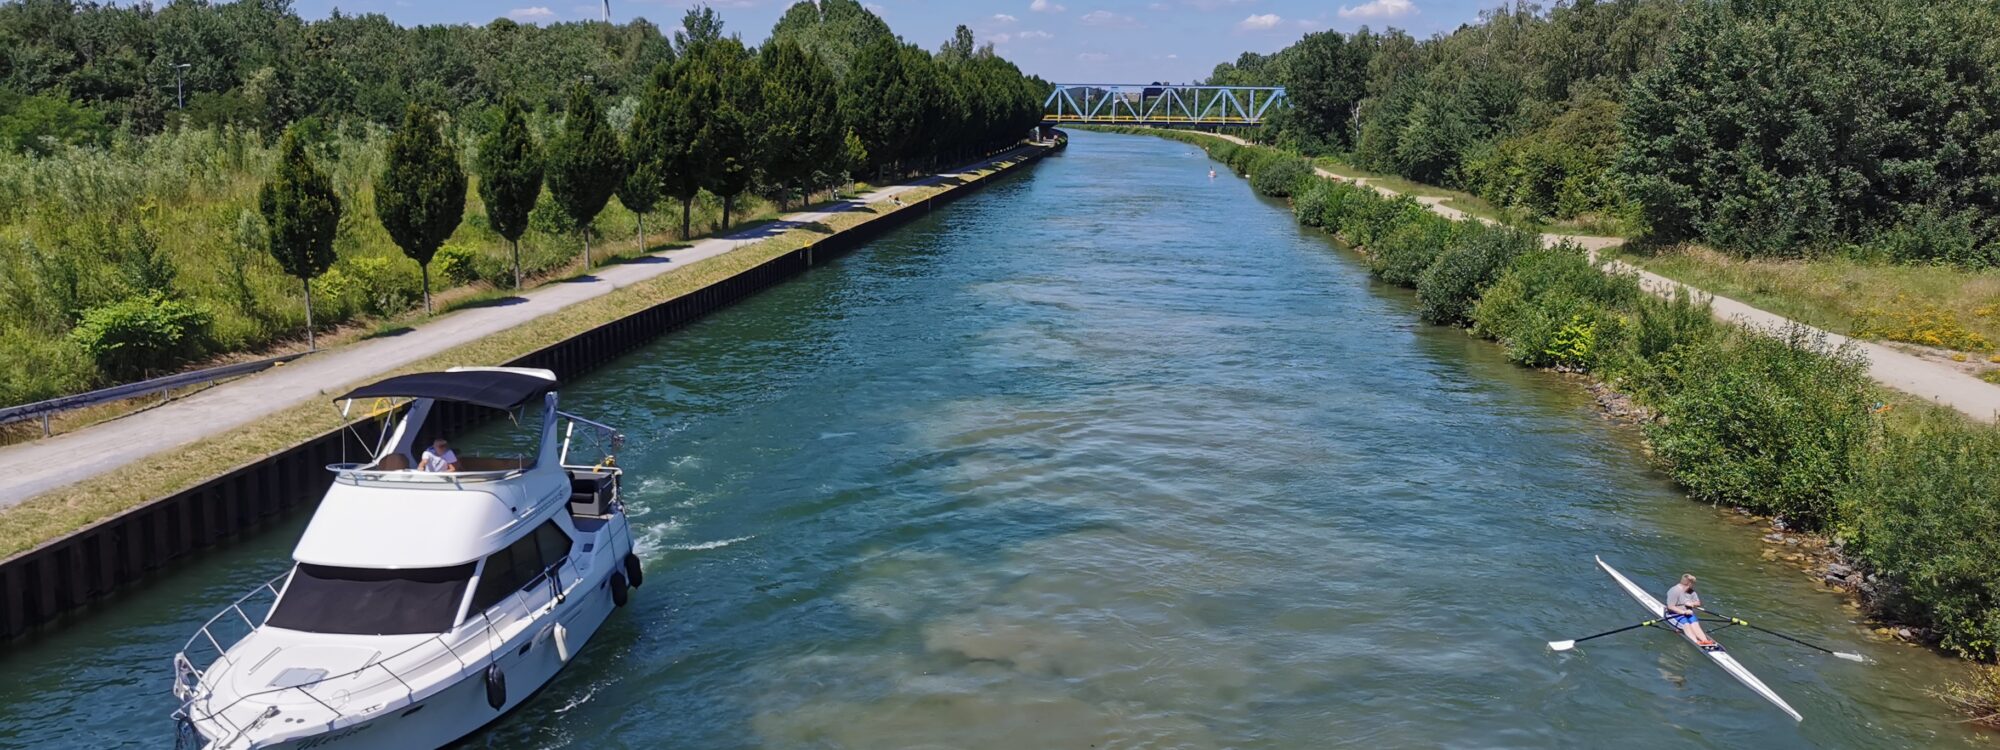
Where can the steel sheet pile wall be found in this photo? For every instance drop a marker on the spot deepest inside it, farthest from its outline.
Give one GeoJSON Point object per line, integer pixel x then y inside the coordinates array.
{"type": "Point", "coordinates": [61, 575]}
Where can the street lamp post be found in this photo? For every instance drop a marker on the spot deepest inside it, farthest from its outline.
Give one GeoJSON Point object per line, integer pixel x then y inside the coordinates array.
{"type": "Point", "coordinates": [179, 101]}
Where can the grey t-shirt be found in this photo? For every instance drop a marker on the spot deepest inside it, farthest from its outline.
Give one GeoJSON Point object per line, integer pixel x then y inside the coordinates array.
{"type": "Point", "coordinates": [1679, 596]}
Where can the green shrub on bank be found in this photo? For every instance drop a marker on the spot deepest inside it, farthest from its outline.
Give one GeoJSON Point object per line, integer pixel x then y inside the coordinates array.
{"type": "Point", "coordinates": [143, 335]}
{"type": "Point", "coordinates": [1401, 256]}
{"type": "Point", "coordinates": [1371, 217]}
{"type": "Point", "coordinates": [1309, 206]}
{"type": "Point", "coordinates": [1449, 287]}
{"type": "Point", "coordinates": [1281, 176]}
{"type": "Point", "coordinates": [1773, 424]}
{"type": "Point", "coordinates": [1663, 337]}
{"type": "Point", "coordinates": [1243, 158]}
{"type": "Point", "coordinates": [1551, 307]}
{"type": "Point", "coordinates": [1924, 514]}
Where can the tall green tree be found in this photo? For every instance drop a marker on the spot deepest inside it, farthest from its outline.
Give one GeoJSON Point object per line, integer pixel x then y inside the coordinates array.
{"type": "Point", "coordinates": [640, 189]}
{"type": "Point", "coordinates": [510, 176]}
{"type": "Point", "coordinates": [801, 129]}
{"type": "Point", "coordinates": [875, 101]}
{"type": "Point", "coordinates": [832, 31]}
{"type": "Point", "coordinates": [420, 196]}
{"type": "Point", "coordinates": [853, 157]}
{"type": "Point", "coordinates": [585, 163]}
{"type": "Point", "coordinates": [1325, 78]}
{"type": "Point", "coordinates": [729, 140]}
{"type": "Point", "coordinates": [302, 213]}
{"type": "Point", "coordinates": [663, 136]}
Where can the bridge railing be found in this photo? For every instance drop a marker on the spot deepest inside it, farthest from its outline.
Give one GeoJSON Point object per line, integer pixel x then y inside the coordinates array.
{"type": "Point", "coordinates": [1160, 104]}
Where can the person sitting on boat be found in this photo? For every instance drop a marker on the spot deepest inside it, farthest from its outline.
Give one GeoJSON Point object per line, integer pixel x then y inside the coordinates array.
{"type": "Point", "coordinates": [1681, 604]}
{"type": "Point", "coordinates": [439, 458]}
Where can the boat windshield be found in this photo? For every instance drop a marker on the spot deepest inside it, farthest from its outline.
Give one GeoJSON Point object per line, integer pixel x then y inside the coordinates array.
{"type": "Point", "coordinates": [367, 601]}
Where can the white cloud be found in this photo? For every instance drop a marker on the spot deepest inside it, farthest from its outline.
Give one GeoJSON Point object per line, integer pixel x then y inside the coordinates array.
{"type": "Point", "coordinates": [1034, 35]}
{"type": "Point", "coordinates": [1000, 38]}
{"type": "Point", "coordinates": [1173, 56]}
{"type": "Point", "coordinates": [1004, 18]}
{"type": "Point", "coordinates": [1263, 22]}
{"type": "Point", "coordinates": [1380, 9]}
{"type": "Point", "coordinates": [1213, 4]}
{"type": "Point", "coordinates": [536, 13]}
{"type": "Point", "coordinates": [873, 8]}
{"type": "Point", "coordinates": [1107, 18]}
{"type": "Point", "coordinates": [1044, 6]}
{"type": "Point", "coordinates": [1092, 57]}
{"type": "Point", "coordinates": [1156, 7]}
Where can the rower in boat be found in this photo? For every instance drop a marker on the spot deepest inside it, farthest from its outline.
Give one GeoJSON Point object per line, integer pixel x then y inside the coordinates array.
{"type": "Point", "coordinates": [1682, 603]}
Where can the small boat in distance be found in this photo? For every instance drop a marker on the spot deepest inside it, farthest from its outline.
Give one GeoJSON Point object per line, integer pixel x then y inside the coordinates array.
{"type": "Point", "coordinates": [1714, 652]}
{"type": "Point", "coordinates": [422, 605]}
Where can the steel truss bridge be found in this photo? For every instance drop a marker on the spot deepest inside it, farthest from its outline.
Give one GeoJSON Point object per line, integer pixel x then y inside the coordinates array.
{"type": "Point", "coordinates": [1160, 104]}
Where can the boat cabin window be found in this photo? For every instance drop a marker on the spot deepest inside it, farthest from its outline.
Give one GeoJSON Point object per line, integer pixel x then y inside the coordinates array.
{"type": "Point", "coordinates": [366, 601]}
{"type": "Point", "coordinates": [520, 564]}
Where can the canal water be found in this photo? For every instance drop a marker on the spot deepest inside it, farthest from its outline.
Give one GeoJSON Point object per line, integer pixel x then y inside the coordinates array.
{"type": "Point", "coordinates": [1110, 454]}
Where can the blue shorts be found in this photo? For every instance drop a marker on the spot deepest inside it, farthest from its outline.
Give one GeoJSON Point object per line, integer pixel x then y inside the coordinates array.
{"type": "Point", "coordinates": [1680, 620]}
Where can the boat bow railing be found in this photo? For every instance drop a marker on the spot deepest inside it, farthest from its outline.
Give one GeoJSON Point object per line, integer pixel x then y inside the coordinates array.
{"type": "Point", "coordinates": [491, 628]}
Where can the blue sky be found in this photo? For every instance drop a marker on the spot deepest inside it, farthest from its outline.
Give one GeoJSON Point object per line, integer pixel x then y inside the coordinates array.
{"type": "Point", "coordinates": [1074, 41]}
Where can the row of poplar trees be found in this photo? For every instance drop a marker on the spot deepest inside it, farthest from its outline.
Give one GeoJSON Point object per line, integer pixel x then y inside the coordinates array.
{"type": "Point", "coordinates": [720, 118]}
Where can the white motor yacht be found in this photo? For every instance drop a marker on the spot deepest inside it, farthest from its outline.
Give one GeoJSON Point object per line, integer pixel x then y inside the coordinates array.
{"type": "Point", "coordinates": [422, 605]}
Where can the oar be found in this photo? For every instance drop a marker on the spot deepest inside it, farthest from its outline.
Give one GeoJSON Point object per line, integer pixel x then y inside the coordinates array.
{"type": "Point", "coordinates": [1816, 647]}
{"type": "Point", "coordinates": [1567, 645]}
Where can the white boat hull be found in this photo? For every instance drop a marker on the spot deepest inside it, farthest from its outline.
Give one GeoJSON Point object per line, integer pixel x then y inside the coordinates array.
{"type": "Point", "coordinates": [1717, 654]}
{"type": "Point", "coordinates": [461, 709]}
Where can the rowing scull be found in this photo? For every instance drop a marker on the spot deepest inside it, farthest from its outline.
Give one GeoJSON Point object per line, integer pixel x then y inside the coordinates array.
{"type": "Point", "coordinates": [1715, 653]}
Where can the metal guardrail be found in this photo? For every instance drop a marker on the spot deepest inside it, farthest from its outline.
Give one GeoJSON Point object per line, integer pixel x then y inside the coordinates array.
{"type": "Point", "coordinates": [43, 409]}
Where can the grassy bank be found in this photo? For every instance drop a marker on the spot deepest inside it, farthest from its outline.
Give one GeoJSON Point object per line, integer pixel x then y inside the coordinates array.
{"type": "Point", "coordinates": [1785, 426]}
{"type": "Point", "coordinates": [57, 513]}
{"type": "Point", "coordinates": [85, 229]}
{"type": "Point", "coordinates": [1942, 307]}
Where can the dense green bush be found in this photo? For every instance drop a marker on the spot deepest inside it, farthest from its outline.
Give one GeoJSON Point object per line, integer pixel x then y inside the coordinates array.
{"type": "Point", "coordinates": [33, 368]}
{"type": "Point", "coordinates": [1783, 128]}
{"type": "Point", "coordinates": [1563, 169]}
{"type": "Point", "coordinates": [142, 335]}
{"type": "Point", "coordinates": [1243, 159]}
{"type": "Point", "coordinates": [1924, 514]}
{"type": "Point", "coordinates": [39, 124]}
{"type": "Point", "coordinates": [1552, 307]}
{"type": "Point", "coordinates": [1664, 337]}
{"type": "Point", "coordinates": [1371, 217]}
{"type": "Point", "coordinates": [458, 264]}
{"type": "Point", "coordinates": [1309, 206]}
{"type": "Point", "coordinates": [1448, 288]}
{"type": "Point", "coordinates": [1401, 256]}
{"type": "Point", "coordinates": [1775, 425]}
{"type": "Point", "coordinates": [1281, 175]}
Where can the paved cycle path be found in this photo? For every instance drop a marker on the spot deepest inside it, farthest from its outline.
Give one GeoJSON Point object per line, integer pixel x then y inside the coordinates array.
{"type": "Point", "coordinates": [33, 468]}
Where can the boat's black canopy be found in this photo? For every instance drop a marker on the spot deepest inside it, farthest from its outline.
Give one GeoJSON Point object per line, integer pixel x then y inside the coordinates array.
{"type": "Point", "coordinates": [494, 389]}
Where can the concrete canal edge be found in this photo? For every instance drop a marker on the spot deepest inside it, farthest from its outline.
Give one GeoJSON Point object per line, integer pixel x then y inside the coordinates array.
{"type": "Point", "coordinates": [59, 576]}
